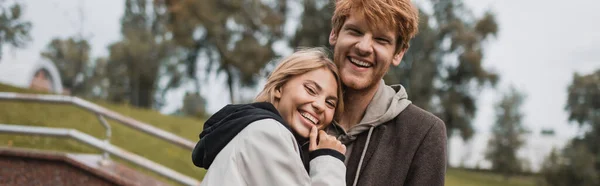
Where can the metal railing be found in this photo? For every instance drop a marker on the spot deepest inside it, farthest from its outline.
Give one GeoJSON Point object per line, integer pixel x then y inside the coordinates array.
{"type": "Point", "coordinates": [103, 145]}
{"type": "Point", "coordinates": [107, 147]}
{"type": "Point", "coordinates": [101, 112]}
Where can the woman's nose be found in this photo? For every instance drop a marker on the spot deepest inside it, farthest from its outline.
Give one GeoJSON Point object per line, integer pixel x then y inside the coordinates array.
{"type": "Point", "coordinates": [319, 107]}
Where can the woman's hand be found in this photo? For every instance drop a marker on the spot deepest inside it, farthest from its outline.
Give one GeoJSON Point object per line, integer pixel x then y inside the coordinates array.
{"type": "Point", "coordinates": [325, 141]}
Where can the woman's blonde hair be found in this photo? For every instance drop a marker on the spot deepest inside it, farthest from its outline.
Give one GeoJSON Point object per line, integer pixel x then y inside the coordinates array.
{"type": "Point", "coordinates": [300, 62]}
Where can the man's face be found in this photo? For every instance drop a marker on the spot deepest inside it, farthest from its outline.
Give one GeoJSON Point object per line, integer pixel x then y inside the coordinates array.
{"type": "Point", "coordinates": [363, 54]}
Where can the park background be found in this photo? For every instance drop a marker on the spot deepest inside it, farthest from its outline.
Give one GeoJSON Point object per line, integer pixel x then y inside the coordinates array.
{"type": "Point", "coordinates": [517, 82]}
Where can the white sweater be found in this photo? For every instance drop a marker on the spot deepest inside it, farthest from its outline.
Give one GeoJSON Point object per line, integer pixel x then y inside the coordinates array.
{"type": "Point", "coordinates": [266, 153]}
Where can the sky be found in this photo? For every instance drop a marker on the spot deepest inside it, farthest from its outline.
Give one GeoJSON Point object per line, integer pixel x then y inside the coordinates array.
{"type": "Point", "coordinates": [540, 44]}
{"type": "Point", "coordinates": [62, 19]}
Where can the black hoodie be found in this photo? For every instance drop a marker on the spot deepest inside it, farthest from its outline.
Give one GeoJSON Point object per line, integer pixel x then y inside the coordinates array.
{"type": "Point", "coordinates": [262, 151]}
{"type": "Point", "coordinates": [224, 125]}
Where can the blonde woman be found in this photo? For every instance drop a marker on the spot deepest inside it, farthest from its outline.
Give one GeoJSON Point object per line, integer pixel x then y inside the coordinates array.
{"type": "Point", "coordinates": [262, 143]}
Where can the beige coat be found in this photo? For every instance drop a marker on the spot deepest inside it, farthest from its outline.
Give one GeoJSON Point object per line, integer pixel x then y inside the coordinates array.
{"type": "Point", "coordinates": [266, 153]}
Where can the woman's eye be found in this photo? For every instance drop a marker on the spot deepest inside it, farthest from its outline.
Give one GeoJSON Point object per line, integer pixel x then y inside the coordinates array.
{"type": "Point", "coordinates": [310, 90]}
{"type": "Point", "coordinates": [331, 104]}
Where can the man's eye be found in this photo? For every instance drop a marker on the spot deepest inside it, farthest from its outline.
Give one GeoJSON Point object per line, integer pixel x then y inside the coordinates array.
{"type": "Point", "coordinates": [383, 40]}
{"type": "Point", "coordinates": [354, 31]}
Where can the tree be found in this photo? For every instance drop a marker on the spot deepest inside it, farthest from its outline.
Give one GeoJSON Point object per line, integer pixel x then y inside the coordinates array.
{"type": "Point", "coordinates": [194, 105]}
{"type": "Point", "coordinates": [315, 24]}
{"type": "Point", "coordinates": [578, 163]}
{"type": "Point", "coordinates": [97, 82]}
{"type": "Point", "coordinates": [583, 104]}
{"type": "Point", "coordinates": [443, 69]}
{"type": "Point", "coordinates": [71, 57]}
{"type": "Point", "coordinates": [507, 135]}
{"type": "Point", "coordinates": [173, 74]}
{"type": "Point", "coordinates": [14, 31]}
{"type": "Point", "coordinates": [137, 58]}
{"type": "Point", "coordinates": [575, 165]}
{"type": "Point", "coordinates": [237, 35]}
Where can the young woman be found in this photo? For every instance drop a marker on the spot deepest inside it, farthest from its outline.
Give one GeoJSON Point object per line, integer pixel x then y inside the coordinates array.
{"type": "Point", "coordinates": [262, 143]}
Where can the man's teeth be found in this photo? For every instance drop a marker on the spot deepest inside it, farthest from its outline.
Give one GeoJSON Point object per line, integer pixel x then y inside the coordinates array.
{"type": "Point", "coordinates": [360, 63]}
{"type": "Point", "coordinates": [309, 117]}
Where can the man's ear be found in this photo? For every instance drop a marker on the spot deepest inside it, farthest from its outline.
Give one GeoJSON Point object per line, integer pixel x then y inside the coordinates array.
{"type": "Point", "coordinates": [398, 57]}
{"type": "Point", "coordinates": [332, 37]}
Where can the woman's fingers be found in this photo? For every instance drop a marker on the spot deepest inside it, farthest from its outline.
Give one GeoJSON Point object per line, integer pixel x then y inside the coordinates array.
{"type": "Point", "coordinates": [329, 142]}
{"type": "Point", "coordinates": [323, 137]}
{"type": "Point", "coordinates": [343, 148]}
{"type": "Point", "coordinates": [312, 139]}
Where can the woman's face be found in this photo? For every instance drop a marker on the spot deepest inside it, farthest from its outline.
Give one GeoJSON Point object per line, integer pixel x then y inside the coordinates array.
{"type": "Point", "coordinates": [308, 100]}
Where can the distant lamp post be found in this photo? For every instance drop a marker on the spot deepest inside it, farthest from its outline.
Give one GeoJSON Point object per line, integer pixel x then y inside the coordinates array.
{"type": "Point", "coordinates": [547, 132]}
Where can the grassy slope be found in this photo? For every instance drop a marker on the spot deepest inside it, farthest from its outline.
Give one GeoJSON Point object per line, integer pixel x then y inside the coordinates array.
{"type": "Point", "coordinates": [458, 177]}
{"type": "Point", "coordinates": [67, 116]}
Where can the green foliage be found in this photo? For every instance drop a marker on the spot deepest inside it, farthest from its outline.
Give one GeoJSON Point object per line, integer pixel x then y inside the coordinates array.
{"type": "Point", "coordinates": [71, 57]}
{"type": "Point", "coordinates": [134, 62]}
{"type": "Point", "coordinates": [96, 82]}
{"type": "Point", "coordinates": [583, 102]}
{"type": "Point", "coordinates": [236, 35]}
{"type": "Point", "coordinates": [315, 25]}
{"type": "Point", "coordinates": [578, 163]}
{"type": "Point", "coordinates": [574, 166]}
{"type": "Point", "coordinates": [14, 31]}
{"type": "Point", "coordinates": [79, 74]}
{"type": "Point", "coordinates": [68, 116]}
{"type": "Point", "coordinates": [131, 71]}
{"type": "Point", "coordinates": [443, 70]}
{"type": "Point", "coordinates": [194, 105]}
{"type": "Point", "coordinates": [507, 135]}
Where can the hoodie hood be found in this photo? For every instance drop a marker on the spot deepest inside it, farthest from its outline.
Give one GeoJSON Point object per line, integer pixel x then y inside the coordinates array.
{"type": "Point", "coordinates": [224, 125]}
{"type": "Point", "coordinates": [387, 103]}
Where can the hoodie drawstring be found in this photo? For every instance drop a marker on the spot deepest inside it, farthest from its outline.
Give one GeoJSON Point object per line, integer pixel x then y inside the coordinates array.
{"type": "Point", "coordinates": [363, 156]}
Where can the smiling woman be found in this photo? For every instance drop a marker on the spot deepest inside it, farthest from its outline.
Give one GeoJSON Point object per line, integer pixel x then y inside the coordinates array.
{"type": "Point", "coordinates": [294, 91]}
{"type": "Point", "coordinates": [248, 144]}
{"type": "Point", "coordinates": [304, 103]}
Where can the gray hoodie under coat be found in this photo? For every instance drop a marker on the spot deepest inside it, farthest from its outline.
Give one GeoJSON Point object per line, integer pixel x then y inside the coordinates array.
{"type": "Point", "coordinates": [395, 143]}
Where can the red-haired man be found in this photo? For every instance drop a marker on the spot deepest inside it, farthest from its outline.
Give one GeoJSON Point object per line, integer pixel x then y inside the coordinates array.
{"type": "Point", "coordinates": [389, 140]}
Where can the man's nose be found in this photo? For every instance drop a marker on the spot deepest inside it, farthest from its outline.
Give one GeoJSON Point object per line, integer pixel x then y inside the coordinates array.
{"type": "Point", "coordinates": [364, 46]}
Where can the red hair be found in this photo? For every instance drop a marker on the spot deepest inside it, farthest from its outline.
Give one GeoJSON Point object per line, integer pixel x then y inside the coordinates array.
{"type": "Point", "coordinates": [398, 15]}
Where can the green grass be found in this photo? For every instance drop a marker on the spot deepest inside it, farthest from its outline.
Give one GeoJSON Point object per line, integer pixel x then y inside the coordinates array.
{"type": "Point", "coordinates": [174, 157]}
{"type": "Point", "coordinates": [459, 177]}
{"type": "Point", "coordinates": [68, 116]}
